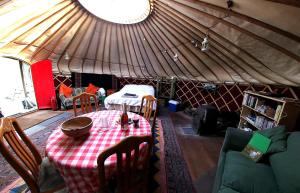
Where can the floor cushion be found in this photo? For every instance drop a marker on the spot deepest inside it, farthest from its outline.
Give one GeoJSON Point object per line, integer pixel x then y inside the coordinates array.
{"type": "Point", "coordinates": [246, 176]}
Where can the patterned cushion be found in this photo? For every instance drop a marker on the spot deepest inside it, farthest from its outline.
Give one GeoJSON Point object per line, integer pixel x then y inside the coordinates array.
{"type": "Point", "coordinates": [77, 91]}
{"type": "Point", "coordinates": [68, 101]}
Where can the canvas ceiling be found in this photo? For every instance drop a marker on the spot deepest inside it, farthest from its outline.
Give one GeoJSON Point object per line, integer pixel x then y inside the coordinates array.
{"type": "Point", "coordinates": [258, 41]}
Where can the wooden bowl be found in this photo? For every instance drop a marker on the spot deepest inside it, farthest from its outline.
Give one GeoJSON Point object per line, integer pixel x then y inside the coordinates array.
{"type": "Point", "coordinates": [77, 127]}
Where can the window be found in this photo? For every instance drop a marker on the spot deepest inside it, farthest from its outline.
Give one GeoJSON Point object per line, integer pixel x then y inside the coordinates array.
{"type": "Point", "coordinates": [119, 11]}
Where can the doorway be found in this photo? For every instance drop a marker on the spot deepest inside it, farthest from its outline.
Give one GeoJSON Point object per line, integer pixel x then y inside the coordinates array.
{"type": "Point", "coordinates": [17, 93]}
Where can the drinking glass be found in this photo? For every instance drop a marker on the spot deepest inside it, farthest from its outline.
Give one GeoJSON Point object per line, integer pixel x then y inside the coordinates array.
{"type": "Point", "coordinates": [103, 122]}
{"type": "Point", "coordinates": [136, 119]}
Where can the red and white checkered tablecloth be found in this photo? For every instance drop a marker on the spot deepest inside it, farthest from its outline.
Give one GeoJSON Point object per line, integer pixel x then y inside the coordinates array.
{"type": "Point", "coordinates": [76, 159]}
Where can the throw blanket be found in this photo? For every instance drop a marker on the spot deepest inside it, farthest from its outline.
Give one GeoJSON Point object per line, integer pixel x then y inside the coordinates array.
{"type": "Point", "coordinates": [118, 98]}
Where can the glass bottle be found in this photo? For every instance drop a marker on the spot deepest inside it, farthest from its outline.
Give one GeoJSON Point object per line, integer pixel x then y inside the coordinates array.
{"type": "Point", "coordinates": [124, 118]}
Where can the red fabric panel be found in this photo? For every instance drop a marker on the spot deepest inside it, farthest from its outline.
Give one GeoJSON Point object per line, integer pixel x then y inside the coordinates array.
{"type": "Point", "coordinates": [43, 83]}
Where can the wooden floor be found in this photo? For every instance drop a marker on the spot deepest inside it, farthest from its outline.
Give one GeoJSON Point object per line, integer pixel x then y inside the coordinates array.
{"type": "Point", "coordinates": [200, 152]}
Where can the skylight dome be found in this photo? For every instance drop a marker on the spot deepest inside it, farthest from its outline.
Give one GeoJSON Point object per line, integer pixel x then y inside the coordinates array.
{"type": "Point", "coordinates": [119, 11]}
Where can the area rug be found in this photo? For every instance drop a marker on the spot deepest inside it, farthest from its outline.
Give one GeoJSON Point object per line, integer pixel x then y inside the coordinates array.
{"type": "Point", "coordinates": [156, 174]}
{"type": "Point", "coordinates": [7, 173]}
{"type": "Point", "coordinates": [37, 117]}
{"type": "Point", "coordinates": [178, 179]}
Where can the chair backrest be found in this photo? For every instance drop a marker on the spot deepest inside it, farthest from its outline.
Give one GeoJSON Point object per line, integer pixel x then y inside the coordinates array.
{"type": "Point", "coordinates": [127, 165]}
{"type": "Point", "coordinates": [26, 158]}
{"type": "Point", "coordinates": [147, 108]}
{"type": "Point", "coordinates": [85, 102]}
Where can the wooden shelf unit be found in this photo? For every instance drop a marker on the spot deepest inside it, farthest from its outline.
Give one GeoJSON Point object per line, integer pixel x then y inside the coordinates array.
{"type": "Point", "coordinates": [263, 112]}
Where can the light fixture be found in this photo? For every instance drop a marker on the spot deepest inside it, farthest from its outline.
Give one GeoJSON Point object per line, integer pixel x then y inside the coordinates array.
{"type": "Point", "coordinates": [195, 43]}
{"type": "Point", "coordinates": [67, 57]}
{"type": "Point", "coordinates": [205, 44]}
{"type": "Point", "coordinates": [229, 4]}
{"type": "Point", "coordinates": [175, 57]}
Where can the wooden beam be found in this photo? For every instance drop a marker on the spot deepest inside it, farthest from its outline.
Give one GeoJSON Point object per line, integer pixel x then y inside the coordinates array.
{"type": "Point", "coordinates": [250, 19]}
{"type": "Point", "coordinates": [153, 54]}
{"type": "Point", "coordinates": [295, 3]}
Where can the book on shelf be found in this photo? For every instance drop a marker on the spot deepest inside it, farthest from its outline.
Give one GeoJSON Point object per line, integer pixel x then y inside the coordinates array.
{"type": "Point", "coordinates": [250, 120]}
{"type": "Point", "coordinates": [250, 101]}
{"type": "Point", "coordinates": [246, 95]}
{"type": "Point", "coordinates": [263, 123]}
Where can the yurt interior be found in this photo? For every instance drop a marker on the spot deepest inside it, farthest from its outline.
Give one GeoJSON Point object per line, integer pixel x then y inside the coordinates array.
{"type": "Point", "coordinates": [150, 96]}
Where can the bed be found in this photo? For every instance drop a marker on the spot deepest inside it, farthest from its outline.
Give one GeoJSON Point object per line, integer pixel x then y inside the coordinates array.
{"type": "Point", "coordinates": [130, 94]}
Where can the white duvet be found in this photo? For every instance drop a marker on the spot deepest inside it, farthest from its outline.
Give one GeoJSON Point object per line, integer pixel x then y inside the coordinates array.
{"type": "Point", "coordinates": [139, 90]}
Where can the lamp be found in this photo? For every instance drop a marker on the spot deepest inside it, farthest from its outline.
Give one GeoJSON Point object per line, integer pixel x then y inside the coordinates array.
{"type": "Point", "coordinates": [195, 43]}
{"type": "Point", "coordinates": [175, 57]}
{"type": "Point", "coordinates": [205, 44]}
{"type": "Point", "coordinates": [229, 4]}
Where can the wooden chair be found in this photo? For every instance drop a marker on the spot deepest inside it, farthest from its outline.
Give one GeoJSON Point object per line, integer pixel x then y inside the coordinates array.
{"type": "Point", "coordinates": [26, 159]}
{"type": "Point", "coordinates": [146, 110]}
{"type": "Point", "coordinates": [85, 103]}
{"type": "Point", "coordinates": [131, 177]}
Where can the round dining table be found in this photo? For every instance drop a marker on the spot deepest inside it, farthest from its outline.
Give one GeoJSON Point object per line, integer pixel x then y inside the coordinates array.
{"type": "Point", "coordinates": [76, 158]}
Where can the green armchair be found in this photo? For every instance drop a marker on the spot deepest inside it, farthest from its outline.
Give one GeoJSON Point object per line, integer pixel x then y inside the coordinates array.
{"type": "Point", "coordinates": [276, 173]}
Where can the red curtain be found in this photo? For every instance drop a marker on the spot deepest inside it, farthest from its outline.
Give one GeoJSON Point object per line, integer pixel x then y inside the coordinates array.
{"type": "Point", "coordinates": [43, 83]}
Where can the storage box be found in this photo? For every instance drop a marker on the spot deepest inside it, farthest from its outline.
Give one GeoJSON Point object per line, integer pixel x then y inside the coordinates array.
{"type": "Point", "coordinates": [173, 105]}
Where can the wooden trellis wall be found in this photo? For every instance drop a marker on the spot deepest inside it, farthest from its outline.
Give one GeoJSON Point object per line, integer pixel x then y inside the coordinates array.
{"type": "Point", "coordinates": [61, 79]}
{"type": "Point", "coordinates": [124, 81]}
{"type": "Point", "coordinates": [228, 97]}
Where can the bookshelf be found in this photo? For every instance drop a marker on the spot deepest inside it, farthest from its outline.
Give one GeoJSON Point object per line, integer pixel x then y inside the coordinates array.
{"type": "Point", "coordinates": [261, 112]}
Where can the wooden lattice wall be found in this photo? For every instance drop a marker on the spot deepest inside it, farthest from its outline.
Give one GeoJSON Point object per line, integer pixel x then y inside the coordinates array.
{"type": "Point", "coordinates": [228, 97]}
{"type": "Point", "coordinates": [61, 79]}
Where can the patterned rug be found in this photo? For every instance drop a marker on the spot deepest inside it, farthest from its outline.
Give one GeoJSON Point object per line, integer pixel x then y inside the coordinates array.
{"type": "Point", "coordinates": [178, 178]}
{"type": "Point", "coordinates": [17, 185]}
{"type": "Point", "coordinates": [39, 138]}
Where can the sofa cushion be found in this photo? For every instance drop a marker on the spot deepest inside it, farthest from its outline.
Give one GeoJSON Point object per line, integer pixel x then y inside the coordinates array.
{"type": "Point", "coordinates": [78, 91]}
{"type": "Point", "coordinates": [243, 175]}
{"type": "Point", "coordinates": [278, 138]}
{"type": "Point", "coordinates": [65, 90]}
{"type": "Point", "coordinates": [225, 189]}
{"type": "Point", "coordinates": [91, 89]}
{"type": "Point", "coordinates": [286, 166]}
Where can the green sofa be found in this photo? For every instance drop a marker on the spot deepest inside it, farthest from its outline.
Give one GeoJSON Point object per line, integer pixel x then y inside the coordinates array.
{"type": "Point", "coordinates": [275, 173]}
{"type": "Point", "coordinates": [67, 102]}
